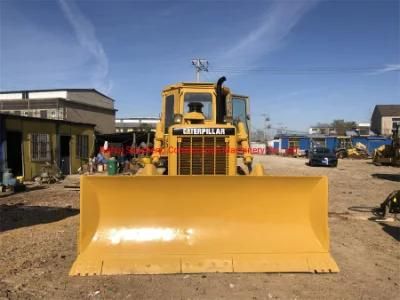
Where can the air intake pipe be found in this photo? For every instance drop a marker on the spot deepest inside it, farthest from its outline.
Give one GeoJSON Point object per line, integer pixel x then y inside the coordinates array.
{"type": "Point", "coordinates": [221, 106]}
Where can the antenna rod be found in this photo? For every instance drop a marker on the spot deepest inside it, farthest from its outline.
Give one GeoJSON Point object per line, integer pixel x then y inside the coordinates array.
{"type": "Point", "coordinates": [199, 65]}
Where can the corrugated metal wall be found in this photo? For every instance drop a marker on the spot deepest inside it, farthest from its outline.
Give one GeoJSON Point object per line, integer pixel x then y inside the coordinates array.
{"type": "Point", "coordinates": [371, 142]}
{"type": "Point", "coordinates": [331, 142]}
{"type": "Point", "coordinates": [304, 143]}
{"type": "Point", "coordinates": [284, 143]}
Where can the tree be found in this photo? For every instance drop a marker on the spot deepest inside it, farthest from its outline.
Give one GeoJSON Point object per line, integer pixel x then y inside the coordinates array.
{"type": "Point", "coordinates": [341, 126]}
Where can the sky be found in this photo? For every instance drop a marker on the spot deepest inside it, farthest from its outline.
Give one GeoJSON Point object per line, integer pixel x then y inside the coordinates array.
{"type": "Point", "coordinates": [300, 62]}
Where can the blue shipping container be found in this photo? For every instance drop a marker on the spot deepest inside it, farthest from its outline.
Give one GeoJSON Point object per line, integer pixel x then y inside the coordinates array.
{"type": "Point", "coordinates": [331, 142]}
{"type": "Point", "coordinates": [304, 143]}
{"type": "Point", "coordinates": [371, 142]}
{"type": "Point", "coordinates": [284, 143]}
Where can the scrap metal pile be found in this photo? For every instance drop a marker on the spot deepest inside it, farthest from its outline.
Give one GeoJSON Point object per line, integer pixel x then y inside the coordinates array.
{"type": "Point", "coordinates": [358, 152]}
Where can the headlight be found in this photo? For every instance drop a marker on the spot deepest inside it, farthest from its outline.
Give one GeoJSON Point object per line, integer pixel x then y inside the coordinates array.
{"type": "Point", "coordinates": [178, 118]}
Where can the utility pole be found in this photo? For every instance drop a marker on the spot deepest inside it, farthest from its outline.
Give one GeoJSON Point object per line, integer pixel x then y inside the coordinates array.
{"type": "Point", "coordinates": [266, 126]}
{"type": "Point", "coordinates": [282, 129]}
{"type": "Point", "coordinates": [199, 65]}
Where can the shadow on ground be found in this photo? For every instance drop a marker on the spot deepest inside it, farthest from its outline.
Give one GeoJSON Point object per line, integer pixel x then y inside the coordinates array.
{"type": "Point", "coordinates": [18, 215]}
{"type": "Point", "coordinates": [393, 231]}
{"type": "Point", "coordinates": [21, 189]}
{"type": "Point", "coordinates": [361, 208]}
{"type": "Point", "coordinates": [391, 177]}
{"type": "Point", "coordinates": [35, 188]}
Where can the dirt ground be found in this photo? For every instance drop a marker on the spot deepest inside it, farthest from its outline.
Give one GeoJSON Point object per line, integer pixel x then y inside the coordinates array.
{"type": "Point", "coordinates": [38, 246]}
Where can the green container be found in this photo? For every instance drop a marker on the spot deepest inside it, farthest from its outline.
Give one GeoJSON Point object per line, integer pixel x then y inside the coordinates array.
{"type": "Point", "coordinates": [112, 166]}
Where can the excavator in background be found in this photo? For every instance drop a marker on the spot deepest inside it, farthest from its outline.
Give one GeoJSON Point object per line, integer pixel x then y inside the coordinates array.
{"type": "Point", "coordinates": [389, 154]}
{"type": "Point", "coordinates": [191, 209]}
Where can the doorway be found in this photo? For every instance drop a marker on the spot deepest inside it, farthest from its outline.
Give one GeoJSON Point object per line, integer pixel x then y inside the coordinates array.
{"type": "Point", "coordinates": [65, 154]}
{"type": "Point", "coordinates": [14, 152]}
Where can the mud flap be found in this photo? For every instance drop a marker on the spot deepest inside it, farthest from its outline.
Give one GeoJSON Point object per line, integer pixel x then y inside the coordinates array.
{"type": "Point", "coordinates": [196, 224]}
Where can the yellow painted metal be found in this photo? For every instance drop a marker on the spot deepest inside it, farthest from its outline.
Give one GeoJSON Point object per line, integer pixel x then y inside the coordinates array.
{"type": "Point", "coordinates": [232, 148]}
{"type": "Point", "coordinates": [190, 224]}
{"type": "Point", "coordinates": [178, 91]}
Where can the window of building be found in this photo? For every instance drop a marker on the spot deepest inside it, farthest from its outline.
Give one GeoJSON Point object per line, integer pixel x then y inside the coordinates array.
{"type": "Point", "coordinates": [40, 146]}
{"type": "Point", "coordinates": [82, 146]}
{"type": "Point", "coordinates": [43, 114]}
{"type": "Point", "coordinates": [395, 122]}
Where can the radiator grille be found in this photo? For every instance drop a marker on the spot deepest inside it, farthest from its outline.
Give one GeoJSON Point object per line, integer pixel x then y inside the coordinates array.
{"type": "Point", "coordinates": [202, 155]}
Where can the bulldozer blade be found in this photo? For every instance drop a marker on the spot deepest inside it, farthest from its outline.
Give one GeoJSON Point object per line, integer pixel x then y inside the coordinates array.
{"type": "Point", "coordinates": [196, 224]}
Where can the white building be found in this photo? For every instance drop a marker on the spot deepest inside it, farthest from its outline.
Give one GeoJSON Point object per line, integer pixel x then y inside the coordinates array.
{"type": "Point", "coordinates": [75, 105]}
{"type": "Point", "coordinates": [384, 118]}
{"type": "Point", "coordinates": [135, 124]}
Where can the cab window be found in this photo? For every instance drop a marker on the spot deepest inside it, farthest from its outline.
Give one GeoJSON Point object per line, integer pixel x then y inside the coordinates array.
{"type": "Point", "coordinates": [203, 98]}
{"type": "Point", "coordinates": [239, 112]}
{"type": "Point", "coordinates": [169, 112]}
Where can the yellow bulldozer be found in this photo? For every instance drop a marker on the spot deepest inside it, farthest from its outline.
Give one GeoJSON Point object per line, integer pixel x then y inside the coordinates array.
{"type": "Point", "coordinates": [389, 154]}
{"type": "Point", "coordinates": [191, 209]}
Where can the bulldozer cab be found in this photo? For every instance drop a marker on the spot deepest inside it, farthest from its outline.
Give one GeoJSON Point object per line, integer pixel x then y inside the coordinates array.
{"type": "Point", "coordinates": [178, 100]}
{"type": "Point", "coordinates": [198, 118]}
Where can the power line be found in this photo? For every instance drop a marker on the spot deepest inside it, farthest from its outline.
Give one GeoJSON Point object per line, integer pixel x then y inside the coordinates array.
{"type": "Point", "coordinates": [207, 77]}
{"type": "Point", "coordinates": [320, 70]}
